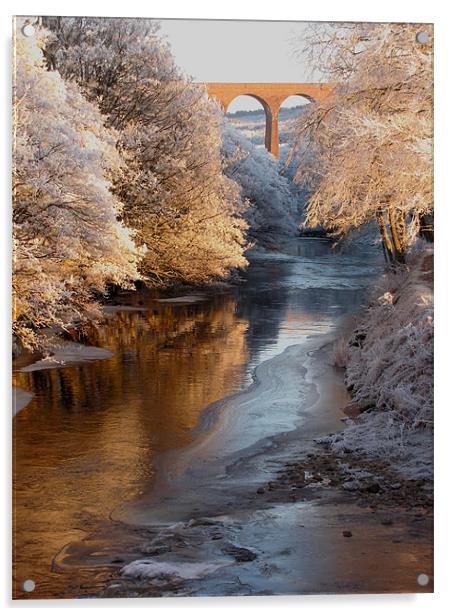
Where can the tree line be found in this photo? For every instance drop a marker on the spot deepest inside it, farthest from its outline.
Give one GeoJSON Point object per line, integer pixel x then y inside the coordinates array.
{"type": "Point", "coordinates": [366, 153]}
{"type": "Point", "coordinates": [118, 173]}
{"type": "Point", "coordinates": [125, 170]}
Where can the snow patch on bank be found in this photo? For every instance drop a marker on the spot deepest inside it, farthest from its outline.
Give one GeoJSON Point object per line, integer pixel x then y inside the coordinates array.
{"type": "Point", "coordinates": [20, 399]}
{"type": "Point", "coordinates": [389, 365]}
{"type": "Point", "coordinates": [183, 299]}
{"type": "Point", "coordinates": [65, 353]}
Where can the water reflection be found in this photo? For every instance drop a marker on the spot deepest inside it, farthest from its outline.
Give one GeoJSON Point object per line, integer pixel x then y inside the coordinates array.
{"type": "Point", "coordinates": [89, 438]}
{"type": "Point", "coordinates": [301, 292]}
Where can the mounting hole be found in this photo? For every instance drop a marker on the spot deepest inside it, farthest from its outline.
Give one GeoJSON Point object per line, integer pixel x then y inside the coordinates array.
{"type": "Point", "coordinates": [422, 38]}
{"type": "Point", "coordinates": [422, 579]}
{"type": "Point", "coordinates": [29, 585]}
{"type": "Point", "coordinates": [28, 30]}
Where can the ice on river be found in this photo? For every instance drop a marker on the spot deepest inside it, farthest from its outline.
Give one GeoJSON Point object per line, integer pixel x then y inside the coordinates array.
{"type": "Point", "coordinates": [151, 569]}
{"type": "Point", "coordinates": [272, 405]}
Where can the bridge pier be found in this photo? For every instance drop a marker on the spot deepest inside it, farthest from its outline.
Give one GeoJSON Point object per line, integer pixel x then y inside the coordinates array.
{"type": "Point", "coordinates": [271, 96]}
{"type": "Point", "coordinates": [273, 133]}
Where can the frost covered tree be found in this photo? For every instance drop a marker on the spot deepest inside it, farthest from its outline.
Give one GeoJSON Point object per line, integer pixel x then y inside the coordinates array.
{"type": "Point", "coordinates": [365, 153]}
{"type": "Point", "coordinates": [68, 243]}
{"type": "Point", "coordinates": [175, 195]}
{"type": "Point", "coordinates": [273, 206]}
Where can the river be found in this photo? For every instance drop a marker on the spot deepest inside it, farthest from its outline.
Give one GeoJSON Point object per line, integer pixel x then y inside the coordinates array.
{"type": "Point", "coordinates": [154, 456]}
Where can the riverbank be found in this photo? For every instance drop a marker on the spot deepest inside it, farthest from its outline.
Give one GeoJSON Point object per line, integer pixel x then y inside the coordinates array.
{"type": "Point", "coordinates": [383, 459]}
{"type": "Point", "coordinates": [168, 484]}
{"type": "Point", "coordinates": [281, 534]}
{"type": "Point", "coordinates": [388, 361]}
{"type": "Point", "coordinates": [51, 342]}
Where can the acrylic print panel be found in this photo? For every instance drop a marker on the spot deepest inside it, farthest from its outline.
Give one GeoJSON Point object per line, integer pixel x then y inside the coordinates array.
{"type": "Point", "coordinates": [222, 357]}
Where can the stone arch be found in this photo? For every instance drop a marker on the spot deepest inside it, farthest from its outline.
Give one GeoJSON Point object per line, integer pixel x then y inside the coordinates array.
{"type": "Point", "coordinates": [311, 99]}
{"type": "Point", "coordinates": [301, 98]}
{"type": "Point", "coordinates": [269, 116]}
{"type": "Point", "coordinates": [271, 96]}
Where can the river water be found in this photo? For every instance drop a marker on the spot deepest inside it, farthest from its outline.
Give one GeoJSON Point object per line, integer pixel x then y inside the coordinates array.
{"type": "Point", "coordinates": [121, 460]}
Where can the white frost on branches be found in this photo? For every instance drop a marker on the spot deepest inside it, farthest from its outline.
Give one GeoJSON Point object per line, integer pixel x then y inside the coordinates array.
{"type": "Point", "coordinates": [187, 213]}
{"type": "Point", "coordinates": [68, 243]}
{"type": "Point", "coordinates": [389, 363]}
{"type": "Point", "coordinates": [365, 152]}
{"type": "Point", "coordinates": [114, 149]}
{"type": "Point", "coordinates": [273, 207]}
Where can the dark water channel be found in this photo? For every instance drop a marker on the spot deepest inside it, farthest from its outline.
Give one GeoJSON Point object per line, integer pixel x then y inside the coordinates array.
{"type": "Point", "coordinates": [106, 456]}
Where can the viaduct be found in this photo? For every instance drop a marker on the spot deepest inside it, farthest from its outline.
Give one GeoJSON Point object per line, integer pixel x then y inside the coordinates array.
{"type": "Point", "coordinates": [271, 96]}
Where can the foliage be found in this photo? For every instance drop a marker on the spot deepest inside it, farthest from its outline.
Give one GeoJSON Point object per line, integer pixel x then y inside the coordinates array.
{"type": "Point", "coordinates": [366, 151]}
{"type": "Point", "coordinates": [68, 243]}
{"type": "Point", "coordinates": [390, 360]}
{"type": "Point", "coordinates": [389, 365]}
{"type": "Point", "coordinates": [175, 195]}
{"type": "Point", "coordinates": [273, 206]}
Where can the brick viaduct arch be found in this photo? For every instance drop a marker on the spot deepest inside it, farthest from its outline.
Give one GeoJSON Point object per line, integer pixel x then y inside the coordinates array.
{"type": "Point", "coordinates": [271, 96]}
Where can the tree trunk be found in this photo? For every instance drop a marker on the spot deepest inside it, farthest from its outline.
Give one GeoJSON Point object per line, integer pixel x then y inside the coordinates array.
{"type": "Point", "coordinates": [401, 216]}
{"type": "Point", "coordinates": [386, 241]}
{"type": "Point", "coordinates": [398, 249]}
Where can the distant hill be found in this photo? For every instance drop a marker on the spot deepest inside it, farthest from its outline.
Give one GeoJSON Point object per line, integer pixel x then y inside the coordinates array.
{"type": "Point", "coordinates": [252, 123]}
{"type": "Point", "coordinates": [284, 113]}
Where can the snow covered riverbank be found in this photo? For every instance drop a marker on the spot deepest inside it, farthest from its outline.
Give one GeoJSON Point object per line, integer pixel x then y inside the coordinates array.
{"type": "Point", "coordinates": [388, 360]}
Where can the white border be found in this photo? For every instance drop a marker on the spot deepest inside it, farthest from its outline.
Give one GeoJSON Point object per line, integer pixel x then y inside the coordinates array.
{"type": "Point", "coordinates": [329, 10]}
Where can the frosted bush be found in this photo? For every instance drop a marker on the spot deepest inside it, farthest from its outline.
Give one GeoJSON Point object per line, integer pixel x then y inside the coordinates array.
{"type": "Point", "coordinates": [389, 366]}
{"type": "Point", "coordinates": [68, 241]}
{"type": "Point", "coordinates": [390, 362]}
{"type": "Point", "coordinates": [273, 204]}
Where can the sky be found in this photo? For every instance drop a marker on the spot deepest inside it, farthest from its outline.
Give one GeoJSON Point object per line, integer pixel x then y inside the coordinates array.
{"type": "Point", "coordinates": [238, 51]}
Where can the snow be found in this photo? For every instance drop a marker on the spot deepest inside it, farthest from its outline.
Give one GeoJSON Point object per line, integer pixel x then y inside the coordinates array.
{"type": "Point", "coordinates": [273, 198]}
{"type": "Point", "coordinates": [150, 568]}
{"type": "Point", "coordinates": [183, 299]}
{"type": "Point", "coordinates": [20, 399]}
{"type": "Point", "coordinates": [66, 354]}
{"type": "Point", "coordinates": [389, 364]}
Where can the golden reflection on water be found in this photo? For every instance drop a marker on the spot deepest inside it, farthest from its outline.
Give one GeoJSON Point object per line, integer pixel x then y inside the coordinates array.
{"type": "Point", "coordinates": [88, 439]}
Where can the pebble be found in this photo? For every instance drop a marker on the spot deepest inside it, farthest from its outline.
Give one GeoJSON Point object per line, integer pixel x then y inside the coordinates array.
{"type": "Point", "coordinates": [373, 488]}
{"type": "Point", "coordinates": [351, 486]}
{"type": "Point", "coordinates": [240, 554]}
